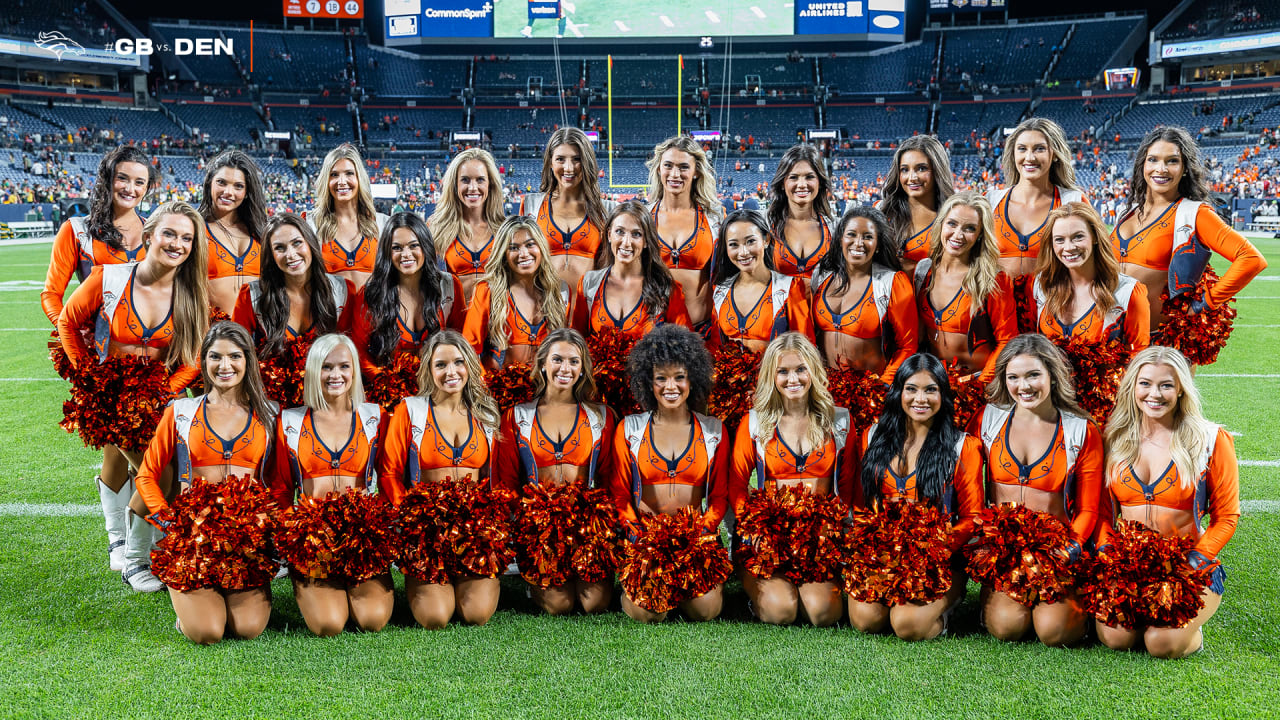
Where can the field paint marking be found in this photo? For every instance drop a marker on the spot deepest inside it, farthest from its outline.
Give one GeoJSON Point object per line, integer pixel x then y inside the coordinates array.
{"type": "Point", "coordinates": [1260, 506]}
{"type": "Point", "coordinates": [623, 27]}
{"type": "Point", "coordinates": [574, 28]}
{"type": "Point", "coordinates": [21, 285]}
{"type": "Point", "coordinates": [50, 328]}
{"type": "Point", "coordinates": [1260, 463]}
{"type": "Point", "coordinates": [1238, 375]}
{"type": "Point", "coordinates": [1258, 297]}
{"type": "Point", "coordinates": [1255, 326]}
{"type": "Point", "coordinates": [712, 16]}
{"type": "Point", "coordinates": [758, 12]}
{"type": "Point", "coordinates": [27, 241]}
{"type": "Point", "coordinates": [569, 6]}
{"type": "Point", "coordinates": [52, 379]}
{"type": "Point", "coordinates": [666, 21]}
{"type": "Point", "coordinates": [17, 302]}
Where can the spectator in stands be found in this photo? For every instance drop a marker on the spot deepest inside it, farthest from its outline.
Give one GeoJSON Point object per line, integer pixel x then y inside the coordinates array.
{"type": "Point", "coordinates": [687, 213]}
{"type": "Point", "coordinates": [469, 213]}
{"type": "Point", "coordinates": [918, 182]}
{"type": "Point", "coordinates": [232, 201]}
{"type": "Point", "coordinates": [800, 211]}
{"type": "Point", "coordinates": [344, 217]}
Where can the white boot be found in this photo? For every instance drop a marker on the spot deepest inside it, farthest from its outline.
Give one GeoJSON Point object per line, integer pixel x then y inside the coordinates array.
{"type": "Point", "coordinates": [113, 506]}
{"type": "Point", "coordinates": [141, 539]}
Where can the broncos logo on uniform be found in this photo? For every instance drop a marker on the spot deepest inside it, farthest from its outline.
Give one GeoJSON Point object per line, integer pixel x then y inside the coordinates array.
{"type": "Point", "coordinates": [57, 43]}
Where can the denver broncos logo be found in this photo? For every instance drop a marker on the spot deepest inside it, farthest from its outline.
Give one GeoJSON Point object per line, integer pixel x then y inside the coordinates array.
{"type": "Point", "coordinates": [58, 44]}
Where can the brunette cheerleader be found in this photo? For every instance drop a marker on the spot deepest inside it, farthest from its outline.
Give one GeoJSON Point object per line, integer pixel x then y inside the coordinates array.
{"type": "Point", "coordinates": [686, 213]}
{"type": "Point", "coordinates": [916, 453]}
{"type": "Point", "coordinates": [918, 182]}
{"type": "Point", "coordinates": [344, 217]}
{"type": "Point", "coordinates": [561, 437]}
{"type": "Point", "coordinates": [111, 234]}
{"type": "Point", "coordinates": [156, 309]}
{"type": "Point", "coordinates": [800, 211]}
{"type": "Point", "coordinates": [223, 433]}
{"type": "Point", "coordinates": [234, 209]}
{"type": "Point", "coordinates": [330, 445]}
{"type": "Point", "coordinates": [520, 299]}
{"type": "Point", "coordinates": [567, 206]}
{"type": "Point", "coordinates": [467, 216]}
{"type": "Point", "coordinates": [752, 302]}
{"type": "Point", "coordinates": [1038, 177]}
{"type": "Point", "coordinates": [794, 436]}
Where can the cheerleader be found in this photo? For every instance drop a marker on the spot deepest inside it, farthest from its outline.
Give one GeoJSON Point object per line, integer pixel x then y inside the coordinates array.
{"type": "Point", "coordinates": [800, 211]}
{"type": "Point", "coordinates": [1038, 178]}
{"type": "Point", "coordinates": [111, 234]}
{"type": "Point", "coordinates": [966, 304]}
{"type": "Point", "coordinates": [225, 432]}
{"type": "Point", "coordinates": [330, 445]}
{"type": "Point", "coordinates": [234, 209]}
{"type": "Point", "coordinates": [1157, 432]}
{"type": "Point", "coordinates": [686, 213]}
{"type": "Point", "coordinates": [1045, 454]}
{"type": "Point", "coordinates": [293, 301]}
{"type": "Point", "coordinates": [561, 437]}
{"type": "Point", "coordinates": [158, 309]}
{"type": "Point", "coordinates": [917, 184]}
{"type": "Point", "coordinates": [520, 299]}
{"type": "Point", "coordinates": [745, 278]}
{"type": "Point", "coordinates": [344, 217]}
{"type": "Point", "coordinates": [915, 452]}
{"type": "Point", "coordinates": [794, 436]}
{"type": "Point", "coordinates": [567, 206]}
{"type": "Point", "coordinates": [670, 456]}
{"type": "Point", "coordinates": [467, 216]}
{"type": "Point", "coordinates": [1165, 236]}
{"type": "Point", "coordinates": [408, 299]}
{"type": "Point", "coordinates": [863, 306]}
{"type": "Point", "coordinates": [1077, 275]}
{"type": "Point", "coordinates": [446, 431]}
{"type": "Point", "coordinates": [632, 291]}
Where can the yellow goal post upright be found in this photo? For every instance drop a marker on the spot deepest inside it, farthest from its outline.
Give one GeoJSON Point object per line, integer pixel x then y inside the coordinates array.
{"type": "Point", "coordinates": [609, 117]}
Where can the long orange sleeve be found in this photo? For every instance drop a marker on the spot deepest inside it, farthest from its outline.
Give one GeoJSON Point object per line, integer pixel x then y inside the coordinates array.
{"type": "Point", "coordinates": [677, 311]}
{"type": "Point", "coordinates": [968, 479]}
{"type": "Point", "coordinates": [620, 479]}
{"type": "Point", "coordinates": [1003, 310]}
{"type": "Point", "coordinates": [79, 311]}
{"type": "Point", "coordinates": [1246, 261]}
{"type": "Point", "coordinates": [507, 472]}
{"type": "Point", "coordinates": [1224, 496]}
{"type": "Point", "coordinates": [243, 312]}
{"type": "Point", "coordinates": [394, 454]}
{"type": "Point", "coordinates": [904, 318]}
{"type": "Point", "coordinates": [581, 310]}
{"type": "Point", "coordinates": [1090, 470]}
{"type": "Point", "coordinates": [475, 328]}
{"type": "Point", "coordinates": [458, 313]}
{"type": "Point", "coordinates": [799, 309]}
{"type": "Point", "coordinates": [62, 265]}
{"type": "Point", "coordinates": [848, 481]}
{"type": "Point", "coordinates": [283, 486]}
{"type": "Point", "coordinates": [1137, 318]}
{"type": "Point", "coordinates": [344, 317]}
{"type": "Point", "coordinates": [718, 497]}
{"type": "Point", "coordinates": [741, 463]}
{"type": "Point", "coordinates": [361, 330]}
{"type": "Point", "coordinates": [157, 457]}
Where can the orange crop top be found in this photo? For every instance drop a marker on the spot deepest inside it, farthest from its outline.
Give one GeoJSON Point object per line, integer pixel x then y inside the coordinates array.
{"type": "Point", "coordinates": [520, 456]}
{"type": "Point", "coordinates": [520, 331]}
{"type": "Point", "coordinates": [313, 458]}
{"type": "Point", "coordinates": [69, 258]}
{"type": "Point", "coordinates": [403, 458]}
{"type": "Point", "coordinates": [647, 466]}
{"type": "Point", "coordinates": [963, 499]}
{"type": "Point", "coordinates": [1152, 247]}
{"type": "Point", "coordinates": [1217, 492]}
{"type": "Point", "coordinates": [763, 321]}
{"type": "Point", "coordinates": [582, 241]}
{"type": "Point", "coordinates": [994, 326]}
{"type": "Point", "coordinates": [1013, 244]}
{"type": "Point", "coordinates": [245, 314]}
{"type": "Point", "coordinates": [462, 261]}
{"type": "Point", "coordinates": [780, 462]}
{"type": "Point", "coordinates": [787, 262]}
{"type": "Point", "coordinates": [338, 259]}
{"type": "Point", "coordinates": [917, 247]}
{"type": "Point", "coordinates": [590, 315]}
{"type": "Point", "coordinates": [695, 251]}
{"type": "Point", "coordinates": [1094, 326]}
{"type": "Point", "coordinates": [863, 320]}
{"type": "Point", "coordinates": [201, 447]}
{"type": "Point", "coordinates": [1080, 486]}
{"type": "Point", "coordinates": [225, 263]}
{"type": "Point", "coordinates": [125, 328]}
{"type": "Point", "coordinates": [362, 325]}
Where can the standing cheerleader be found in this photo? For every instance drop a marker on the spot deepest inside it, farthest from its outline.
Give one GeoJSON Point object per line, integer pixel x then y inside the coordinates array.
{"type": "Point", "coordinates": [632, 291]}
{"type": "Point", "coordinates": [235, 212]}
{"type": "Point", "coordinates": [223, 433]}
{"type": "Point", "coordinates": [863, 307]}
{"type": "Point", "coordinates": [467, 216]}
{"type": "Point", "coordinates": [154, 310]}
{"type": "Point", "coordinates": [671, 458]}
{"type": "Point", "coordinates": [291, 303]}
{"type": "Point", "coordinates": [112, 234]}
{"type": "Point", "coordinates": [444, 433]}
{"type": "Point", "coordinates": [407, 300]}
{"type": "Point", "coordinates": [800, 211]}
{"type": "Point", "coordinates": [330, 445]}
{"type": "Point", "coordinates": [567, 205]}
{"type": "Point", "coordinates": [916, 453]}
{"type": "Point", "coordinates": [917, 184]}
{"type": "Point", "coordinates": [793, 437]}
{"type": "Point", "coordinates": [561, 437]}
{"type": "Point", "coordinates": [745, 278]}
{"type": "Point", "coordinates": [1169, 230]}
{"type": "Point", "coordinates": [520, 299]}
{"type": "Point", "coordinates": [967, 308]}
{"type": "Point", "coordinates": [344, 217]}
{"type": "Point", "coordinates": [1045, 454]}
{"type": "Point", "coordinates": [686, 213]}
{"type": "Point", "coordinates": [1157, 432]}
{"type": "Point", "coordinates": [1038, 177]}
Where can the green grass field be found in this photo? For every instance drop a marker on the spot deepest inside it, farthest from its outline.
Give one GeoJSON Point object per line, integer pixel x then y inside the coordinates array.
{"type": "Point", "coordinates": [74, 642]}
{"type": "Point", "coordinates": [616, 18]}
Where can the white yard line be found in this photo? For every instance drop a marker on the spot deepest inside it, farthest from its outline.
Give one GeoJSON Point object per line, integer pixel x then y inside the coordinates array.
{"type": "Point", "coordinates": [1270, 376]}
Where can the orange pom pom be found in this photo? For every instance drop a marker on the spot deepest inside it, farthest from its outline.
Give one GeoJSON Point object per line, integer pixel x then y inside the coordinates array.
{"type": "Point", "coordinates": [217, 537]}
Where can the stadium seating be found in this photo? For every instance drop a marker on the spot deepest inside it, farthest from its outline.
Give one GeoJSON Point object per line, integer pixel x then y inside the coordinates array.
{"type": "Point", "coordinates": [885, 123]}
{"type": "Point", "coordinates": [124, 123]}
{"type": "Point", "coordinates": [903, 70]}
{"type": "Point", "coordinates": [221, 121]}
{"type": "Point", "coordinates": [1190, 114]}
{"type": "Point", "coordinates": [410, 125]}
{"type": "Point", "coordinates": [1092, 45]}
{"type": "Point", "coordinates": [774, 71]}
{"type": "Point", "coordinates": [394, 73]}
{"type": "Point", "coordinates": [1003, 57]}
{"type": "Point", "coordinates": [336, 122]}
{"type": "Point", "coordinates": [638, 76]}
{"type": "Point", "coordinates": [212, 70]}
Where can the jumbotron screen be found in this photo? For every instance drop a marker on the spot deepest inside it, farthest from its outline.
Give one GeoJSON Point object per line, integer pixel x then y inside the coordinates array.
{"type": "Point", "coordinates": [406, 19]}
